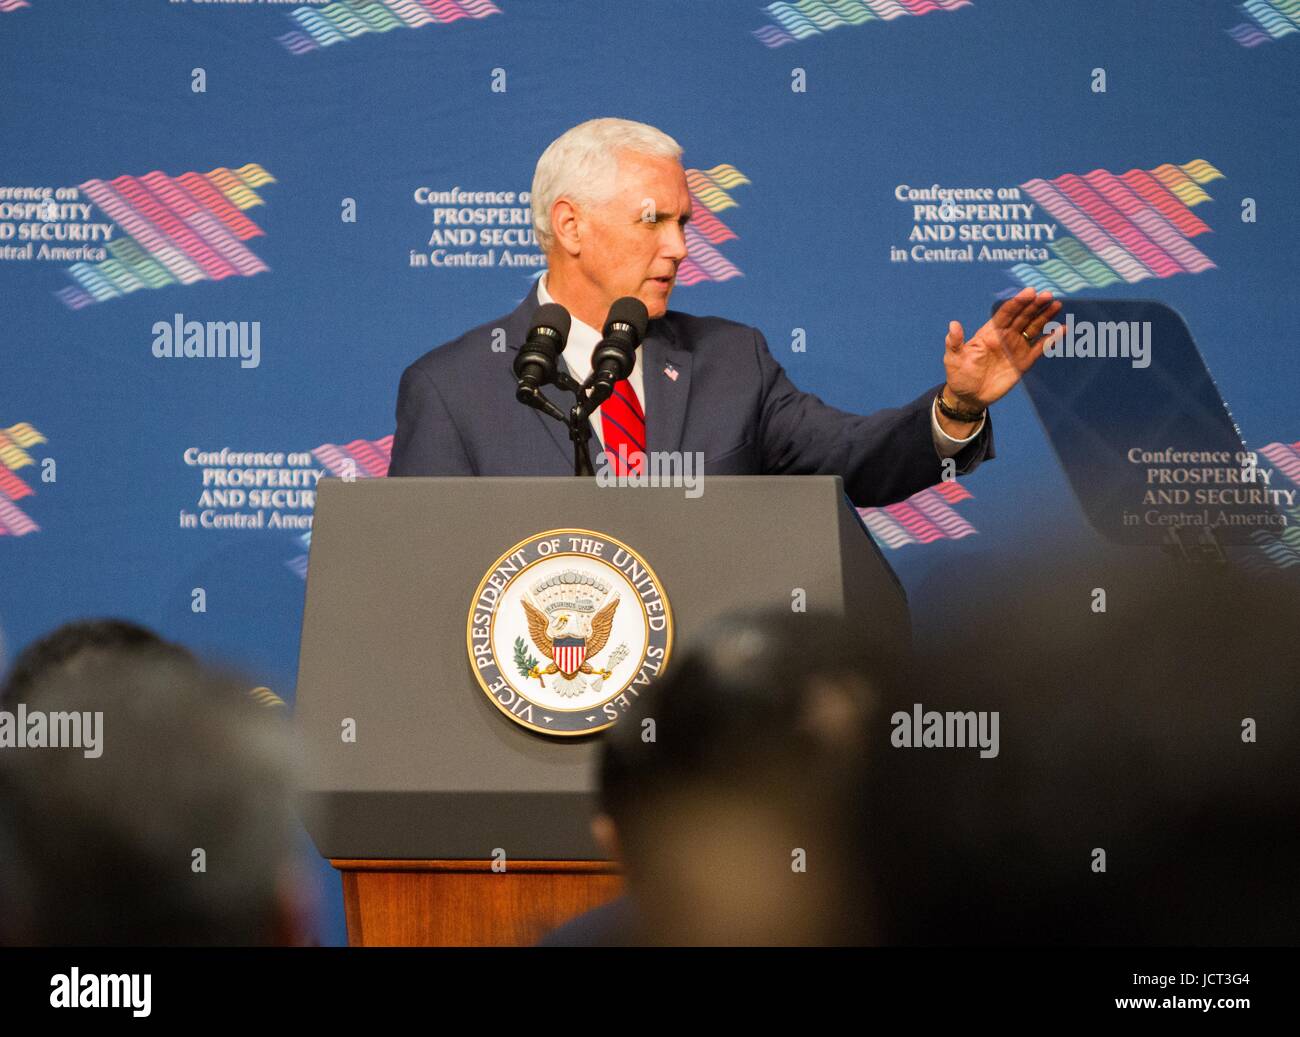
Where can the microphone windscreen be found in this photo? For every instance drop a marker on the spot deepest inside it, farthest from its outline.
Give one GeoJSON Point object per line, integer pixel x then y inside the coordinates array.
{"type": "Point", "coordinates": [553, 315]}
{"type": "Point", "coordinates": [629, 310]}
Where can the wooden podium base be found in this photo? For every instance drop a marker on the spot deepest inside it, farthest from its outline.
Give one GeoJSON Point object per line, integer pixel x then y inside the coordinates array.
{"type": "Point", "coordinates": [402, 903]}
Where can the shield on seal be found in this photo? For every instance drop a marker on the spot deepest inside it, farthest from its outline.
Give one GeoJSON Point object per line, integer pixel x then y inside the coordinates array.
{"type": "Point", "coordinates": [568, 653]}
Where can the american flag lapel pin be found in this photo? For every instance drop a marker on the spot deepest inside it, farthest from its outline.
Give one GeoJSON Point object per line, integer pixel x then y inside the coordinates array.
{"type": "Point", "coordinates": [670, 371]}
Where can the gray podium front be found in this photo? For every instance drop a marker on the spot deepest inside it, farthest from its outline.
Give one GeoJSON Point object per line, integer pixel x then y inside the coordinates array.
{"type": "Point", "coordinates": [410, 762]}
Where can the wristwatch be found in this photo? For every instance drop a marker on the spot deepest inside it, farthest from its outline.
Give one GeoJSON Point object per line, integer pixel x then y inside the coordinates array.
{"type": "Point", "coordinates": [966, 416]}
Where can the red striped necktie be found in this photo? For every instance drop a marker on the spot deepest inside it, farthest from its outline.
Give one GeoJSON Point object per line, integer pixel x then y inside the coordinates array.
{"type": "Point", "coordinates": [623, 426]}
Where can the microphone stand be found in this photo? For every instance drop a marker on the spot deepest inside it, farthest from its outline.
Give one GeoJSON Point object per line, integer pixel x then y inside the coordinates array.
{"type": "Point", "coordinates": [579, 426]}
{"type": "Point", "coordinates": [575, 421]}
{"type": "Point", "coordinates": [530, 394]}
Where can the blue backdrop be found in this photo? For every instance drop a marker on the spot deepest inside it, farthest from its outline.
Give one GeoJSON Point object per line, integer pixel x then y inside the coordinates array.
{"type": "Point", "coordinates": [204, 159]}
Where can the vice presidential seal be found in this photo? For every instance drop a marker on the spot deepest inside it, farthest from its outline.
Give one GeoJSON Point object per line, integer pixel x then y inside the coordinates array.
{"type": "Point", "coordinates": [566, 629]}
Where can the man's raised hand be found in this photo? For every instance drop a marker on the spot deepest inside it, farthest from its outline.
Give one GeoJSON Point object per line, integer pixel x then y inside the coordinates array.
{"type": "Point", "coordinates": [985, 367]}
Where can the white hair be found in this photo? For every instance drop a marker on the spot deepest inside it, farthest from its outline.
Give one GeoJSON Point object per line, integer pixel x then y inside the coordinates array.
{"type": "Point", "coordinates": [582, 164]}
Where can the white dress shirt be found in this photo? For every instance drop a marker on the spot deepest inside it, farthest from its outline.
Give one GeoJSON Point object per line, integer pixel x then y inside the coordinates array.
{"type": "Point", "coordinates": [583, 338]}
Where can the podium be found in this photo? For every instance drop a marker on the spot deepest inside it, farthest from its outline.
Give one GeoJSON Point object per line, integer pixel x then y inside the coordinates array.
{"type": "Point", "coordinates": [451, 820]}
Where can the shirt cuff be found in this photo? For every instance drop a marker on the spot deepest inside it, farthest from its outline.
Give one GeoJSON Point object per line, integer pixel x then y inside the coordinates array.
{"type": "Point", "coordinates": [946, 445]}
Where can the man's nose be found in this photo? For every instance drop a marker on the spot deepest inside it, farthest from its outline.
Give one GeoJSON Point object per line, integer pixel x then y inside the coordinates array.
{"type": "Point", "coordinates": [673, 245]}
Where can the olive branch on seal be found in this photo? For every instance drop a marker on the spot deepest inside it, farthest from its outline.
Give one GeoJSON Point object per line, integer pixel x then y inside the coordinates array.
{"type": "Point", "coordinates": [524, 661]}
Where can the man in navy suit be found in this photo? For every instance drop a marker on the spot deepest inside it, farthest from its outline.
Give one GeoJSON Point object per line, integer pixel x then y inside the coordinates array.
{"type": "Point", "coordinates": [610, 207]}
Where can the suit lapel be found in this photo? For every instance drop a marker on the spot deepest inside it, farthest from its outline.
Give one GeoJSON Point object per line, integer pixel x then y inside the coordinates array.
{"type": "Point", "coordinates": [516, 330]}
{"type": "Point", "coordinates": [665, 395]}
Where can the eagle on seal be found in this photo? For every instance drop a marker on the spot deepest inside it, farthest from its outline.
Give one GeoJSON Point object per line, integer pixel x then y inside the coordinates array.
{"type": "Point", "coordinates": [581, 639]}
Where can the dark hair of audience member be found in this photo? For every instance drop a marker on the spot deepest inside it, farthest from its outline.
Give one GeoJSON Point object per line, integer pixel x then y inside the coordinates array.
{"type": "Point", "coordinates": [181, 833]}
{"type": "Point", "coordinates": [1155, 739]}
{"type": "Point", "coordinates": [732, 783]}
{"type": "Point", "coordinates": [64, 646]}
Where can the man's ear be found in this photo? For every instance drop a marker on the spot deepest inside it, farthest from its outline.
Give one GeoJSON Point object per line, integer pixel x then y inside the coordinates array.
{"type": "Point", "coordinates": [565, 226]}
{"type": "Point", "coordinates": [605, 832]}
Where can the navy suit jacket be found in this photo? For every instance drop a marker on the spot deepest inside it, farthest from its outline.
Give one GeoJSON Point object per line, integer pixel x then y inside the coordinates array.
{"type": "Point", "coordinates": [730, 401]}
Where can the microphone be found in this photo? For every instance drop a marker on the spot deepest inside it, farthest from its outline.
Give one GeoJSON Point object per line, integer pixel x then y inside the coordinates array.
{"type": "Point", "coordinates": [615, 355]}
{"type": "Point", "coordinates": [535, 365]}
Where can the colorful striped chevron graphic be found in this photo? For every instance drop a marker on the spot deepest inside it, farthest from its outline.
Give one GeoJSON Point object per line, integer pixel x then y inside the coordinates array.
{"type": "Point", "coordinates": [14, 442]}
{"type": "Point", "coordinates": [1279, 550]}
{"type": "Point", "coordinates": [921, 519]}
{"type": "Point", "coordinates": [318, 27]}
{"type": "Point", "coordinates": [1285, 457]}
{"type": "Point", "coordinates": [360, 459]}
{"type": "Point", "coordinates": [1125, 228]}
{"type": "Point", "coordinates": [799, 21]}
{"type": "Point", "coordinates": [709, 196]}
{"type": "Point", "coordinates": [1275, 550]}
{"type": "Point", "coordinates": [173, 230]}
{"type": "Point", "coordinates": [1269, 20]}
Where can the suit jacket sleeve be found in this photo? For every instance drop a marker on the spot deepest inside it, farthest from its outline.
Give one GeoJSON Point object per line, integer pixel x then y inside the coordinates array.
{"type": "Point", "coordinates": [883, 457]}
{"type": "Point", "coordinates": [427, 441]}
